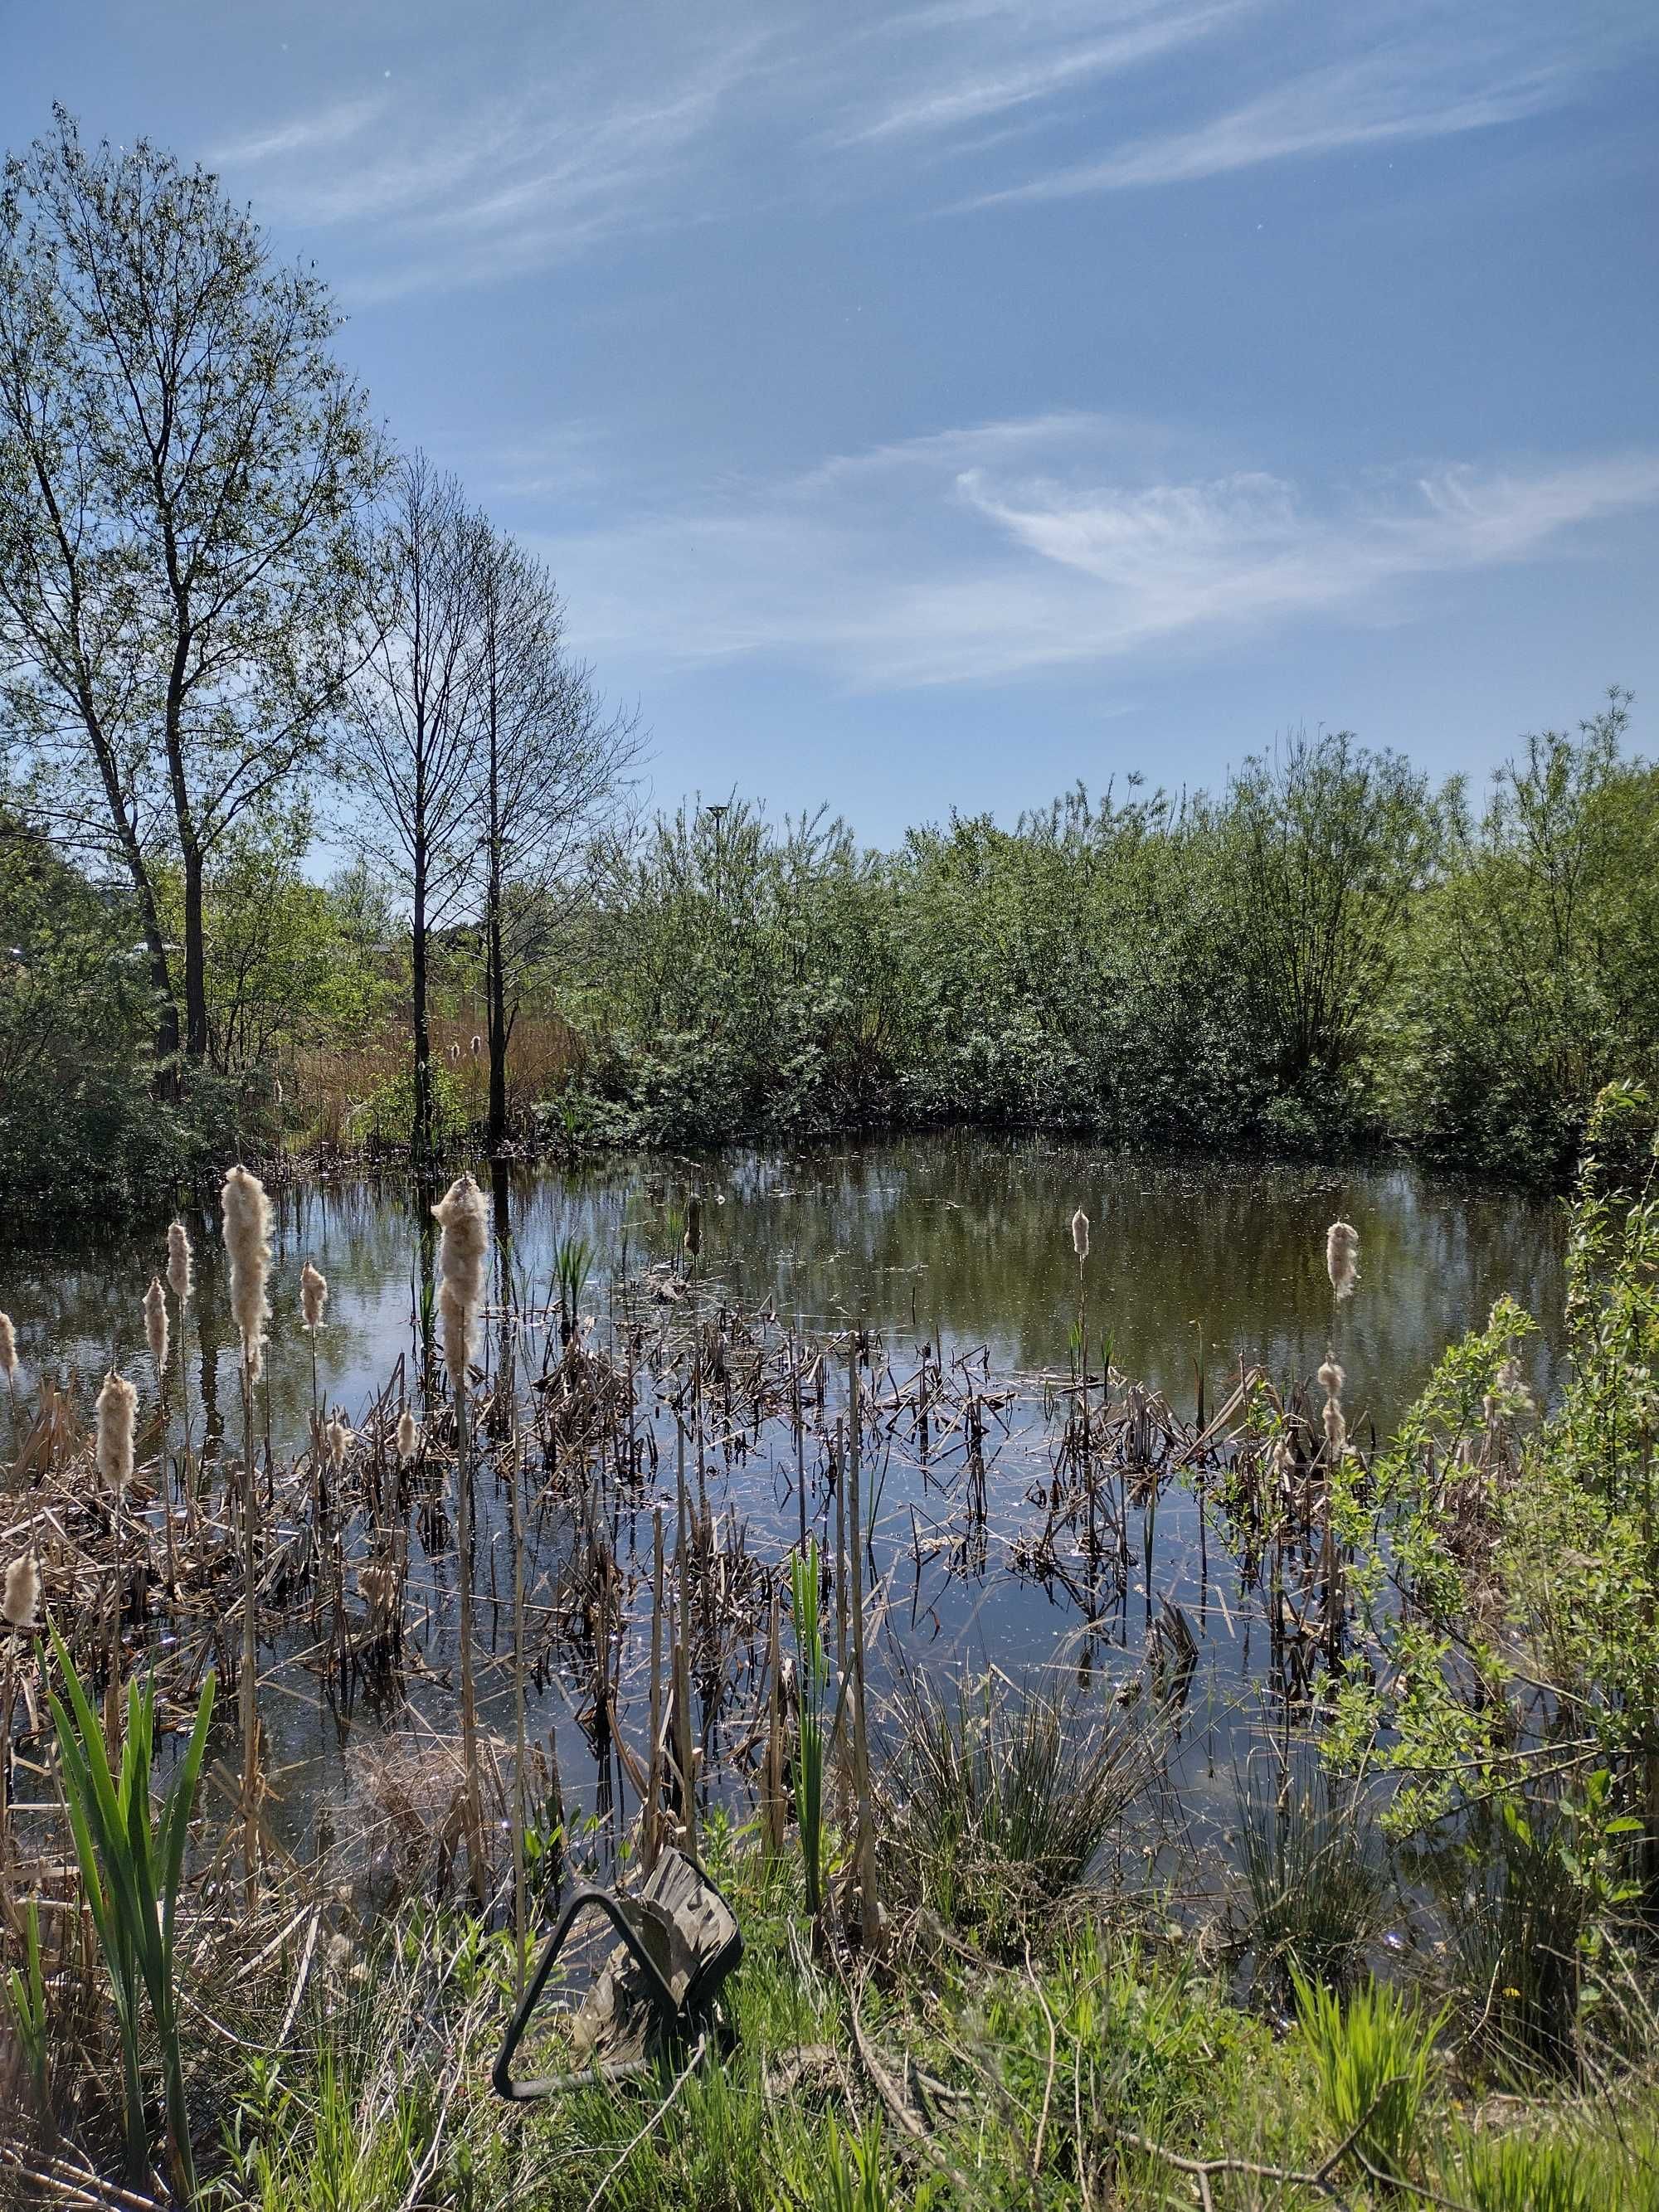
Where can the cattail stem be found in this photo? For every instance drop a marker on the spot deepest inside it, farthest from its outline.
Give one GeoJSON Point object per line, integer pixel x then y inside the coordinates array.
{"type": "Point", "coordinates": [682, 1661]}
{"type": "Point", "coordinates": [800, 1446]}
{"type": "Point", "coordinates": [187, 1481]}
{"type": "Point", "coordinates": [516, 1537]}
{"type": "Point", "coordinates": [870, 1913]}
{"type": "Point", "coordinates": [843, 1754]}
{"type": "Point", "coordinates": [651, 1819]}
{"type": "Point", "coordinates": [469, 1687]}
{"type": "Point", "coordinates": [248, 1687]}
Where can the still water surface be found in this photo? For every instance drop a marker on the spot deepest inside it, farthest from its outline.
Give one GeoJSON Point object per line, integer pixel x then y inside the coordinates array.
{"type": "Point", "coordinates": [963, 1241]}
{"type": "Point", "coordinates": [959, 1242]}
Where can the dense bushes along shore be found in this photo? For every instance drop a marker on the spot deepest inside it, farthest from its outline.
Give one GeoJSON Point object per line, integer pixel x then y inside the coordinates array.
{"type": "Point", "coordinates": [1326, 954]}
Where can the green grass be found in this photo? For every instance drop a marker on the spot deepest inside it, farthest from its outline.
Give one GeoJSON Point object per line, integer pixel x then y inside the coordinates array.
{"type": "Point", "coordinates": [1056, 2080]}
{"type": "Point", "coordinates": [1374, 2053]}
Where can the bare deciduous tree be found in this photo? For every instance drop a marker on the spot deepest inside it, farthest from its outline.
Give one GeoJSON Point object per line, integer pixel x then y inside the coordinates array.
{"type": "Point", "coordinates": [414, 727]}
{"type": "Point", "coordinates": [183, 466]}
{"type": "Point", "coordinates": [551, 764]}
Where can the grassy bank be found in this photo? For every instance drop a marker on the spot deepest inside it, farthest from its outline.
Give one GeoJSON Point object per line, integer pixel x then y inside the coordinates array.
{"type": "Point", "coordinates": [1101, 2060]}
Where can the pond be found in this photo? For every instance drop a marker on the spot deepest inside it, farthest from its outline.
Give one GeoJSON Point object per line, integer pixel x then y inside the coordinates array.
{"type": "Point", "coordinates": [952, 1249]}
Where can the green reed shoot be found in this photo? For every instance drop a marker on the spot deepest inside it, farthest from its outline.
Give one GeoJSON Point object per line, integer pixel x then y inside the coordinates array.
{"type": "Point", "coordinates": [130, 1869]}
{"type": "Point", "coordinates": [573, 1263]}
{"type": "Point", "coordinates": [813, 1682]}
{"type": "Point", "coordinates": [25, 1995]}
{"type": "Point", "coordinates": [1372, 2050]}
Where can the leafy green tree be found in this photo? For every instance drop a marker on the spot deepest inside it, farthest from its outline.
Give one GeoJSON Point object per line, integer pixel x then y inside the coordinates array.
{"type": "Point", "coordinates": [183, 467]}
{"type": "Point", "coordinates": [1322, 849]}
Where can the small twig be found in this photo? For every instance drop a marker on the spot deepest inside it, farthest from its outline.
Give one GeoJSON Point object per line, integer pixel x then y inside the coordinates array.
{"type": "Point", "coordinates": [1048, 2083]}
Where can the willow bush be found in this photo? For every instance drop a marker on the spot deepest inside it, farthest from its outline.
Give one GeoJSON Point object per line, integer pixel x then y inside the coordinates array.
{"type": "Point", "coordinates": [1510, 1569]}
{"type": "Point", "coordinates": [1321, 955]}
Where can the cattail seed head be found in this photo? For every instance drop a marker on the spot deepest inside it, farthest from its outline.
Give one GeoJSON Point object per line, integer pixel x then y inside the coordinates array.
{"type": "Point", "coordinates": [313, 1295]}
{"type": "Point", "coordinates": [462, 1214]}
{"type": "Point", "coordinates": [1331, 1379]}
{"type": "Point", "coordinates": [454, 1056]}
{"type": "Point", "coordinates": [408, 1435]}
{"type": "Point", "coordinates": [1513, 1395]}
{"type": "Point", "coordinates": [478, 1046]}
{"type": "Point", "coordinates": [8, 1347]}
{"type": "Point", "coordinates": [377, 1586]}
{"type": "Point", "coordinates": [694, 1225]}
{"type": "Point", "coordinates": [117, 1413]}
{"type": "Point", "coordinates": [21, 1603]}
{"type": "Point", "coordinates": [339, 1439]}
{"type": "Point", "coordinates": [1342, 1258]}
{"type": "Point", "coordinates": [1080, 1234]}
{"type": "Point", "coordinates": [179, 1262]}
{"type": "Point", "coordinates": [246, 1212]}
{"type": "Point", "coordinates": [155, 1323]}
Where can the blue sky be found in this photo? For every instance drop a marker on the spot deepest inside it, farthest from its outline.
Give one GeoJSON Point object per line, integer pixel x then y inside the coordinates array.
{"type": "Point", "coordinates": [932, 404]}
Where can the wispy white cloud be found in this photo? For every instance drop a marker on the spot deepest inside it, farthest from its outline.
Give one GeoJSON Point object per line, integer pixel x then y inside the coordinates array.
{"type": "Point", "coordinates": [455, 186]}
{"type": "Point", "coordinates": [1015, 68]}
{"type": "Point", "coordinates": [1347, 105]}
{"type": "Point", "coordinates": [1417, 72]}
{"type": "Point", "coordinates": [987, 553]}
{"type": "Point", "coordinates": [336, 124]}
{"type": "Point", "coordinates": [481, 163]}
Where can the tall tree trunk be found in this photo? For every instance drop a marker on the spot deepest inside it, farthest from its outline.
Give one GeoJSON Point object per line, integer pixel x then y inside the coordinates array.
{"type": "Point", "coordinates": [195, 1005]}
{"type": "Point", "coordinates": [161, 975]}
{"type": "Point", "coordinates": [495, 994]}
{"type": "Point", "coordinates": [160, 984]}
{"type": "Point", "coordinates": [421, 1134]}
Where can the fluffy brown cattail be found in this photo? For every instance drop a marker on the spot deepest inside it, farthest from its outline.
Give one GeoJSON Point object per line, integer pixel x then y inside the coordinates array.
{"type": "Point", "coordinates": [1512, 1396]}
{"type": "Point", "coordinates": [117, 1413]}
{"type": "Point", "coordinates": [155, 1323]}
{"type": "Point", "coordinates": [1342, 1258]}
{"type": "Point", "coordinates": [1080, 1234]}
{"type": "Point", "coordinates": [454, 1056]}
{"type": "Point", "coordinates": [409, 1436]}
{"type": "Point", "coordinates": [378, 1589]}
{"type": "Point", "coordinates": [247, 1212]}
{"type": "Point", "coordinates": [179, 1280]}
{"type": "Point", "coordinates": [313, 1295]}
{"type": "Point", "coordinates": [8, 1348]}
{"type": "Point", "coordinates": [478, 1046]}
{"type": "Point", "coordinates": [462, 1214]}
{"type": "Point", "coordinates": [694, 1225]}
{"type": "Point", "coordinates": [339, 1438]}
{"type": "Point", "coordinates": [1332, 1379]}
{"type": "Point", "coordinates": [1281, 1465]}
{"type": "Point", "coordinates": [21, 1604]}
